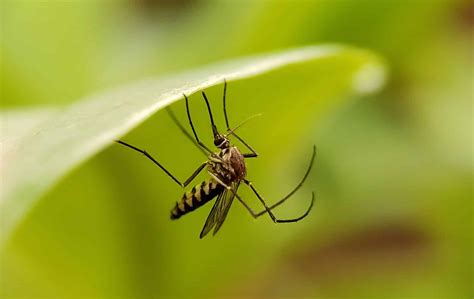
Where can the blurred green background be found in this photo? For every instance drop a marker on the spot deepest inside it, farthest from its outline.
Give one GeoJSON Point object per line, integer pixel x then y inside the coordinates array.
{"type": "Point", "coordinates": [393, 176]}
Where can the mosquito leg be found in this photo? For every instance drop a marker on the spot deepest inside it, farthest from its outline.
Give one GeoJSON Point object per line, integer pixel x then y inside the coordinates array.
{"type": "Point", "coordinates": [249, 209]}
{"type": "Point", "coordinates": [216, 159]}
{"type": "Point", "coordinates": [268, 209]}
{"type": "Point", "coordinates": [219, 181]}
{"type": "Point", "coordinates": [256, 215]}
{"type": "Point", "coordinates": [224, 102]}
{"type": "Point", "coordinates": [297, 186]}
{"type": "Point", "coordinates": [183, 130]}
{"type": "Point", "coordinates": [195, 173]}
{"type": "Point", "coordinates": [192, 127]}
{"type": "Point", "coordinates": [215, 132]}
{"type": "Point", "coordinates": [253, 153]}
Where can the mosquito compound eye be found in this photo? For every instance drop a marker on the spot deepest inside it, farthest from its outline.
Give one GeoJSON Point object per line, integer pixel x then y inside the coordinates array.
{"type": "Point", "coordinates": [218, 141]}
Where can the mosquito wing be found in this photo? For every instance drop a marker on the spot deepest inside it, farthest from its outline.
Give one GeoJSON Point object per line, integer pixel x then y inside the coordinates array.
{"type": "Point", "coordinates": [219, 210]}
{"type": "Point", "coordinates": [225, 207]}
{"type": "Point", "coordinates": [212, 218]}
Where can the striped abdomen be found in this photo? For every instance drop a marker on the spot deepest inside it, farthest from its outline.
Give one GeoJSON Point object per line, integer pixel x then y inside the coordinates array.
{"type": "Point", "coordinates": [195, 198]}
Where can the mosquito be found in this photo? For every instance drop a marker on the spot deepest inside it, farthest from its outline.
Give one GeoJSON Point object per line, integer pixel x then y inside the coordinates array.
{"type": "Point", "coordinates": [227, 170]}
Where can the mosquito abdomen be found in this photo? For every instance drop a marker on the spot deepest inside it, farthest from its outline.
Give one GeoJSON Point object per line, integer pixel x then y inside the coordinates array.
{"type": "Point", "coordinates": [196, 197]}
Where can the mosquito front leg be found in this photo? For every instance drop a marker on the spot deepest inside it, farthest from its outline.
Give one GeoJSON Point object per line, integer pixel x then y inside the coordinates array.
{"type": "Point", "coordinates": [195, 173]}
{"type": "Point", "coordinates": [192, 127]}
{"type": "Point", "coordinates": [183, 130]}
{"type": "Point", "coordinates": [253, 153]}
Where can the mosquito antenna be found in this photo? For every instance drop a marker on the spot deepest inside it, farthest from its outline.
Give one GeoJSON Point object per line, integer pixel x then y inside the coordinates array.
{"type": "Point", "coordinates": [231, 131]}
{"type": "Point", "coordinates": [214, 128]}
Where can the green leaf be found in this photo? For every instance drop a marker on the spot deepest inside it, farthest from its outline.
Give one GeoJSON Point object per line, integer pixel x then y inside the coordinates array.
{"type": "Point", "coordinates": [39, 147]}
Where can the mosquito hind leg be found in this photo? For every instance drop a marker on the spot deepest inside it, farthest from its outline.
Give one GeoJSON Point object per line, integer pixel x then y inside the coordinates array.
{"type": "Point", "coordinates": [297, 186]}
{"type": "Point", "coordinates": [146, 154]}
{"type": "Point", "coordinates": [268, 209]}
{"type": "Point", "coordinates": [256, 215]}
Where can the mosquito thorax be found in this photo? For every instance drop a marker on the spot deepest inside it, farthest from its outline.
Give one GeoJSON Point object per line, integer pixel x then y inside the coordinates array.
{"type": "Point", "coordinates": [237, 162]}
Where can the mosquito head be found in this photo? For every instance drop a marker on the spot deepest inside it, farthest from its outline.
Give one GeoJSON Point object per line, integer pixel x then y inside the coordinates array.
{"type": "Point", "coordinates": [221, 141]}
